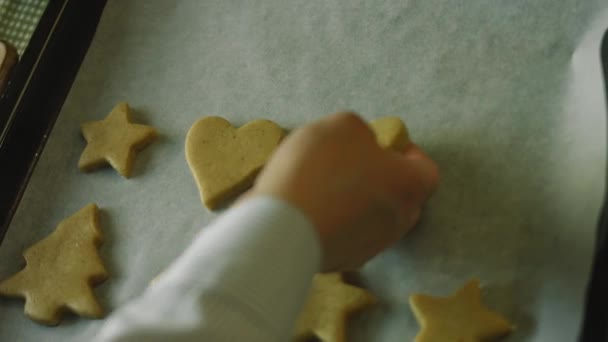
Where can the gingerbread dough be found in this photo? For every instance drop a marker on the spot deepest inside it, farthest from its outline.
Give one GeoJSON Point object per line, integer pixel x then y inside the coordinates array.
{"type": "Point", "coordinates": [114, 140]}
{"type": "Point", "coordinates": [330, 305]}
{"type": "Point", "coordinates": [458, 318]}
{"type": "Point", "coordinates": [61, 270]}
{"type": "Point", "coordinates": [224, 160]}
{"type": "Point", "coordinates": [391, 133]}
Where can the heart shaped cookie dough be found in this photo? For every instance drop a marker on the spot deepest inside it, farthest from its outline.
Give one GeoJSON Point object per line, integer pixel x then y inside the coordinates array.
{"type": "Point", "coordinates": [224, 159]}
{"type": "Point", "coordinates": [391, 133]}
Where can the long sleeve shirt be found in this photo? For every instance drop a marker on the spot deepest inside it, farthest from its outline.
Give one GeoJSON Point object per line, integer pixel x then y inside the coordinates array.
{"type": "Point", "coordinates": [244, 278]}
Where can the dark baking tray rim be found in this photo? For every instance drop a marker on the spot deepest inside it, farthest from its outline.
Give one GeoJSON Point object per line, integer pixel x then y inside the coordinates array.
{"type": "Point", "coordinates": [37, 89]}
{"type": "Point", "coordinates": [595, 323]}
{"type": "Point", "coordinates": [44, 76]}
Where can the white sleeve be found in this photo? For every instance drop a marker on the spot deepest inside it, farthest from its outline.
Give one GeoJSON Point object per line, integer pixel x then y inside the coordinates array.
{"type": "Point", "coordinates": [244, 278]}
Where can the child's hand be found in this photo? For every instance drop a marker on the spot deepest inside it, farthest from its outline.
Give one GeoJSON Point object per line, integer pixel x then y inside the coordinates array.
{"type": "Point", "coordinates": [360, 197]}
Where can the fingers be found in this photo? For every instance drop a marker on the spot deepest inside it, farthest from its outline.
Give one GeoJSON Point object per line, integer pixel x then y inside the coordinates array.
{"type": "Point", "coordinates": [412, 174]}
{"type": "Point", "coordinates": [348, 123]}
{"type": "Point", "coordinates": [432, 177]}
{"type": "Point", "coordinates": [414, 216]}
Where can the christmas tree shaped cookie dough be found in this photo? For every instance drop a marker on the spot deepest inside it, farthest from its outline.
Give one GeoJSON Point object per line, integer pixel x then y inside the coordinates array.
{"type": "Point", "coordinates": [61, 271]}
{"type": "Point", "coordinates": [458, 318]}
{"type": "Point", "coordinates": [114, 140]}
{"type": "Point", "coordinates": [391, 133]}
{"type": "Point", "coordinates": [330, 305]}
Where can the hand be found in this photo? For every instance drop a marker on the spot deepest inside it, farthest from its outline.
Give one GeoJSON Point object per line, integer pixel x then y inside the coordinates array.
{"type": "Point", "coordinates": [360, 198]}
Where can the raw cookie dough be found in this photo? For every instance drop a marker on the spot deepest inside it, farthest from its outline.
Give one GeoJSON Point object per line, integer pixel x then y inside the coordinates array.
{"type": "Point", "coordinates": [391, 133]}
{"type": "Point", "coordinates": [328, 308]}
{"type": "Point", "coordinates": [224, 160]}
{"type": "Point", "coordinates": [61, 270]}
{"type": "Point", "coordinates": [114, 140]}
{"type": "Point", "coordinates": [458, 318]}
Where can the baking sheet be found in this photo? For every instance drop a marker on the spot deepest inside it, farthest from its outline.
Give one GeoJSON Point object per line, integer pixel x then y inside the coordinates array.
{"type": "Point", "coordinates": [506, 96]}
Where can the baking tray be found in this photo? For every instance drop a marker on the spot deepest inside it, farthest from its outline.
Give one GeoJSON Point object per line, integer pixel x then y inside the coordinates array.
{"type": "Point", "coordinates": [31, 127]}
{"type": "Point", "coordinates": [36, 91]}
{"type": "Point", "coordinates": [595, 324]}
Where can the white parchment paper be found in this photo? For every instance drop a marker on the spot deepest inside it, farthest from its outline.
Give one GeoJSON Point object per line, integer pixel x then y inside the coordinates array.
{"type": "Point", "coordinates": [505, 95]}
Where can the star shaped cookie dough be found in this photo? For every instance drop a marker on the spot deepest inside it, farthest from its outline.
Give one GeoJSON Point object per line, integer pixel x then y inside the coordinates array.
{"type": "Point", "coordinates": [391, 133]}
{"type": "Point", "coordinates": [114, 140]}
{"type": "Point", "coordinates": [458, 318]}
{"type": "Point", "coordinates": [328, 308]}
{"type": "Point", "coordinates": [61, 271]}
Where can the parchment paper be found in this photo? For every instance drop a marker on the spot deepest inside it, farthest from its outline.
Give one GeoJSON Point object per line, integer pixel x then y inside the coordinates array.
{"type": "Point", "coordinates": [505, 95]}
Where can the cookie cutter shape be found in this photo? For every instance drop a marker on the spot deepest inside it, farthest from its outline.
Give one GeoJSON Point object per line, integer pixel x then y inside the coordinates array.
{"type": "Point", "coordinates": [330, 304]}
{"type": "Point", "coordinates": [225, 160]}
{"type": "Point", "coordinates": [61, 270]}
{"type": "Point", "coordinates": [114, 141]}
{"type": "Point", "coordinates": [460, 317]}
{"type": "Point", "coordinates": [391, 133]}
